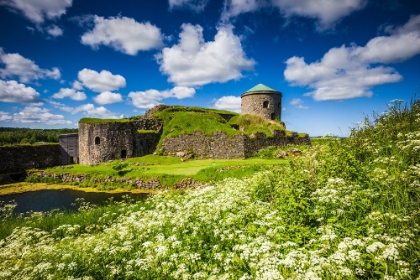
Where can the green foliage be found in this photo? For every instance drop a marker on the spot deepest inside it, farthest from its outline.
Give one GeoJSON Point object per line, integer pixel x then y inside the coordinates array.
{"type": "Point", "coordinates": [251, 124]}
{"type": "Point", "coordinates": [11, 136]}
{"type": "Point", "coordinates": [345, 209]}
{"type": "Point", "coordinates": [189, 121]}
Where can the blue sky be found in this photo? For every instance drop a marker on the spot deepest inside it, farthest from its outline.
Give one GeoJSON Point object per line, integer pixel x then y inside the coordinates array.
{"type": "Point", "coordinates": [334, 61]}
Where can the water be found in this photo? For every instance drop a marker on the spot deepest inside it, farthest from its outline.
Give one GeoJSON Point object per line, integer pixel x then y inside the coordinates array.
{"type": "Point", "coordinates": [46, 200]}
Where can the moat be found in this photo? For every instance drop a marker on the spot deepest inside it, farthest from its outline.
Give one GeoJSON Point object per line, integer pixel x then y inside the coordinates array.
{"type": "Point", "coordinates": [47, 200]}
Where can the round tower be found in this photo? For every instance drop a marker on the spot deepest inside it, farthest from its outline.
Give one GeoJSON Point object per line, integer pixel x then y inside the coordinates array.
{"type": "Point", "coordinates": [262, 101]}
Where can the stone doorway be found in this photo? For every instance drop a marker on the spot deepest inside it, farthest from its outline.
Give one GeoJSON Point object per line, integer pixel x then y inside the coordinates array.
{"type": "Point", "coordinates": [123, 153]}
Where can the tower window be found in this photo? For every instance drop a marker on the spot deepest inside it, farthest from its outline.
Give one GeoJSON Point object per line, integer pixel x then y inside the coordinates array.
{"type": "Point", "coordinates": [97, 140]}
{"type": "Point", "coordinates": [265, 104]}
{"type": "Point", "coordinates": [278, 105]}
{"type": "Point", "coordinates": [273, 116]}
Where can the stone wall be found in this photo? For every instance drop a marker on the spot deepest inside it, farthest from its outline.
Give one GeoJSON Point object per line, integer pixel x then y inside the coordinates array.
{"type": "Point", "coordinates": [252, 103]}
{"type": "Point", "coordinates": [218, 145]}
{"type": "Point", "coordinates": [102, 142]}
{"type": "Point", "coordinates": [16, 158]}
{"type": "Point", "coordinates": [221, 146]}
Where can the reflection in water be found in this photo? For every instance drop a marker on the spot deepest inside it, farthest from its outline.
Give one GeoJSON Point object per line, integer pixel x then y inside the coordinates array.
{"type": "Point", "coordinates": [47, 200]}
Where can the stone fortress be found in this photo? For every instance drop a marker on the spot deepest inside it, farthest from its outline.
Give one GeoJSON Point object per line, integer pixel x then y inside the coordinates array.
{"type": "Point", "coordinates": [104, 141]}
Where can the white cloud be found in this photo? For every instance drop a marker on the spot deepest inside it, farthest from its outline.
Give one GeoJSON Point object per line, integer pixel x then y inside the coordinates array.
{"type": "Point", "coordinates": [32, 114]}
{"type": "Point", "coordinates": [54, 30]}
{"type": "Point", "coordinates": [327, 13]}
{"type": "Point", "coordinates": [4, 116]}
{"type": "Point", "coordinates": [151, 97]}
{"type": "Point", "coordinates": [349, 72]}
{"type": "Point", "coordinates": [123, 34]}
{"type": "Point", "coordinates": [38, 11]}
{"type": "Point", "coordinates": [88, 109]}
{"type": "Point", "coordinates": [233, 8]}
{"type": "Point", "coordinates": [71, 93]}
{"type": "Point", "coordinates": [193, 62]}
{"type": "Point", "coordinates": [298, 103]}
{"type": "Point", "coordinates": [12, 91]}
{"type": "Point", "coordinates": [25, 69]}
{"type": "Point", "coordinates": [77, 85]}
{"type": "Point", "coordinates": [102, 81]}
{"type": "Point", "coordinates": [195, 5]}
{"type": "Point", "coordinates": [107, 97]}
{"type": "Point", "coordinates": [229, 103]}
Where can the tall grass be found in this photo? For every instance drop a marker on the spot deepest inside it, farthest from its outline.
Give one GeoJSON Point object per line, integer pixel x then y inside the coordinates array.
{"type": "Point", "coordinates": [346, 209]}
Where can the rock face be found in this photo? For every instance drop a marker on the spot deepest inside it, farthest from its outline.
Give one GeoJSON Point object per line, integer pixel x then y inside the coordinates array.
{"type": "Point", "coordinates": [101, 142]}
{"type": "Point", "coordinates": [16, 158]}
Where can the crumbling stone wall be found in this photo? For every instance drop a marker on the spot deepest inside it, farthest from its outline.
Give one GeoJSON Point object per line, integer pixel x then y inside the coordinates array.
{"type": "Point", "coordinates": [253, 103]}
{"type": "Point", "coordinates": [221, 146]}
{"type": "Point", "coordinates": [218, 145]}
{"type": "Point", "coordinates": [101, 142]}
{"type": "Point", "coordinates": [16, 158]}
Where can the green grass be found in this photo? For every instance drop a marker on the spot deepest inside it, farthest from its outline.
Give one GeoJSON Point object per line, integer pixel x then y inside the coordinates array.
{"type": "Point", "coordinates": [187, 122]}
{"type": "Point", "coordinates": [346, 209]}
{"type": "Point", "coordinates": [251, 124]}
{"type": "Point", "coordinates": [168, 170]}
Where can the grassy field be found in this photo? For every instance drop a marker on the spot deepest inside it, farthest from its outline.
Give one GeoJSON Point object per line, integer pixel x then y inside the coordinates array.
{"type": "Point", "coordinates": [345, 209]}
{"type": "Point", "coordinates": [168, 170]}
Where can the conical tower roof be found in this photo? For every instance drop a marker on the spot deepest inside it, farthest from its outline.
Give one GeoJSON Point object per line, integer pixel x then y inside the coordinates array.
{"type": "Point", "coordinates": [261, 88]}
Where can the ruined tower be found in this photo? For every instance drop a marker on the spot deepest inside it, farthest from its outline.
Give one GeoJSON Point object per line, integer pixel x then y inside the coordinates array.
{"type": "Point", "coordinates": [262, 101]}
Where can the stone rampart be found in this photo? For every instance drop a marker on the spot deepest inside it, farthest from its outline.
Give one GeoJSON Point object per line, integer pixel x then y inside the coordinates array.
{"type": "Point", "coordinates": [218, 145]}
{"type": "Point", "coordinates": [101, 142]}
{"type": "Point", "coordinates": [221, 146]}
{"type": "Point", "coordinates": [16, 158]}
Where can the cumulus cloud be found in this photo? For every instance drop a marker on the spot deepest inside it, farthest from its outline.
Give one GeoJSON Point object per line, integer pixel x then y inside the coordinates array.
{"type": "Point", "coordinates": [32, 114]}
{"type": "Point", "coordinates": [349, 72]}
{"type": "Point", "coordinates": [193, 62]}
{"type": "Point", "coordinates": [107, 97]}
{"type": "Point", "coordinates": [71, 93]}
{"type": "Point", "coordinates": [102, 81]}
{"type": "Point", "coordinates": [150, 98]}
{"type": "Point", "coordinates": [25, 69]}
{"type": "Point", "coordinates": [298, 103]}
{"type": "Point", "coordinates": [40, 10]}
{"type": "Point", "coordinates": [327, 13]}
{"type": "Point", "coordinates": [87, 109]}
{"type": "Point", "coordinates": [123, 34]}
{"type": "Point", "coordinates": [54, 30]}
{"type": "Point", "coordinates": [4, 116]}
{"type": "Point", "coordinates": [229, 103]}
{"type": "Point", "coordinates": [77, 85]}
{"type": "Point", "coordinates": [194, 5]}
{"type": "Point", "coordinates": [12, 91]}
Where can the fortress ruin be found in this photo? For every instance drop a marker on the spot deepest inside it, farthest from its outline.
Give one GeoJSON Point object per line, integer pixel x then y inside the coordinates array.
{"type": "Point", "coordinates": [103, 141]}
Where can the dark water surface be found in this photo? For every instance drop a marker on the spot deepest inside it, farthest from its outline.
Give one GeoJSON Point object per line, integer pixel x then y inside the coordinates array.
{"type": "Point", "coordinates": [47, 200]}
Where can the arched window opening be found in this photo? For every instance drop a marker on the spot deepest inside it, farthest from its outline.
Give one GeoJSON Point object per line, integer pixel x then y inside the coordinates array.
{"type": "Point", "coordinates": [265, 104]}
{"type": "Point", "coordinates": [97, 140]}
{"type": "Point", "coordinates": [273, 116]}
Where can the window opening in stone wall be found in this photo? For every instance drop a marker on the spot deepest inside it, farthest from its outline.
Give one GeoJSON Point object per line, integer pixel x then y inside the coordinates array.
{"type": "Point", "coordinates": [97, 141]}
{"type": "Point", "coordinates": [71, 160]}
{"type": "Point", "coordinates": [278, 105]}
{"type": "Point", "coordinates": [123, 153]}
{"type": "Point", "coordinates": [273, 116]}
{"type": "Point", "coordinates": [265, 104]}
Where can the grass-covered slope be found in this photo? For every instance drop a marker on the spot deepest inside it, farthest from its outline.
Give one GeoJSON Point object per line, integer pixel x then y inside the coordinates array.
{"type": "Point", "coordinates": [347, 209]}
{"type": "Point", "coordinates": [185, 120]}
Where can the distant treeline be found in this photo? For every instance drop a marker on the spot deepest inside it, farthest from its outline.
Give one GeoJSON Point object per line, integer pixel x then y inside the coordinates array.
{"type": "Point", "coordinates": [14, 135]}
